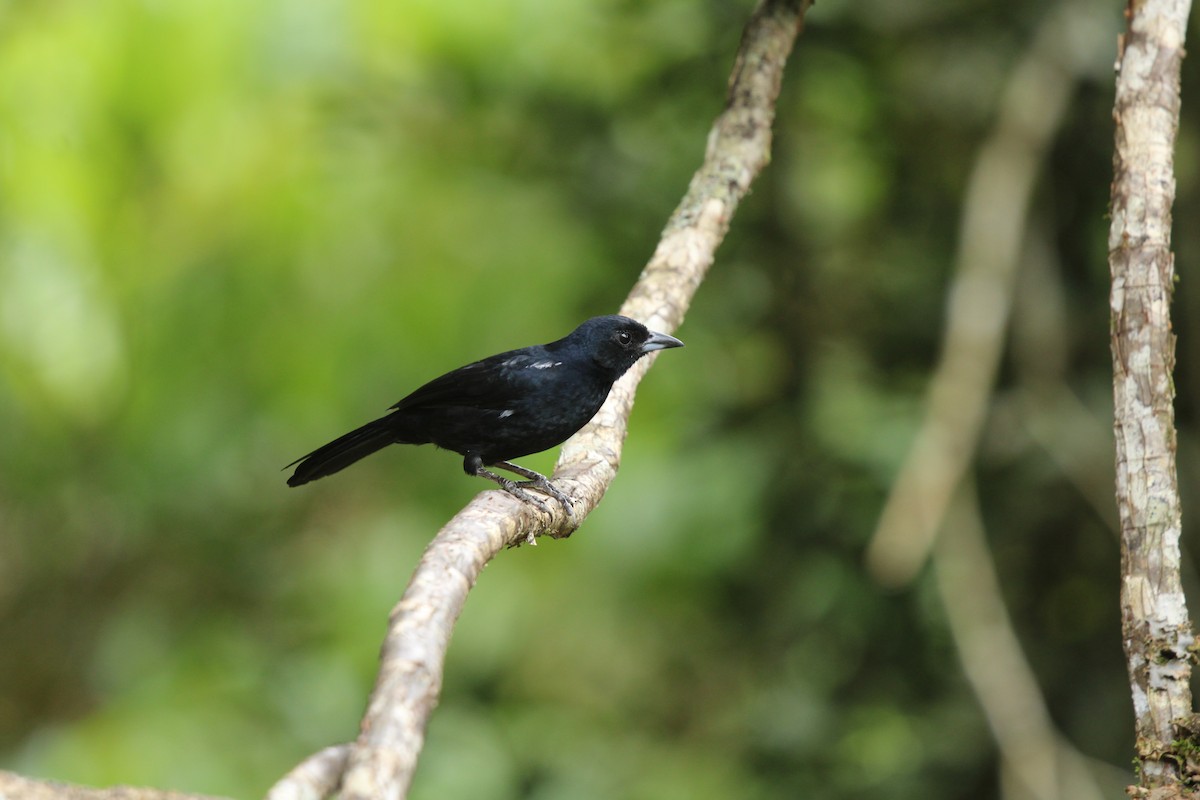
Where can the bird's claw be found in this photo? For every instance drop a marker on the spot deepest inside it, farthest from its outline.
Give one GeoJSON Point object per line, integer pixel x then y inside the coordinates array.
{"type": "Point", "coordinates": [546, 487]}
{"type": "Point", "coordinates": [516, 491]}
{"type": "Point", "coordinates": [535, 480]}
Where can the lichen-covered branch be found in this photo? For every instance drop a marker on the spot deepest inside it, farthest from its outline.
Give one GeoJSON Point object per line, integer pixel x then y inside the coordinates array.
{"type": "Point", "coordinates": [1155, 626]}
{"type": "Point", "coordinates": [382, 760]}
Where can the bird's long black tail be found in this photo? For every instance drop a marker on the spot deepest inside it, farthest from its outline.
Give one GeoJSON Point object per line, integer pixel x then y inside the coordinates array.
{"type": "Point", "coordinates": [344, 451]}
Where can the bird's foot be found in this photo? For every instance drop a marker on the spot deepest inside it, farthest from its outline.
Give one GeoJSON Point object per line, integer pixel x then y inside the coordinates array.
{"type": "Point", "coordinates": [540, 482]}
{"type": "Point", "coordinates": [515, 489]}
{"type": "Point", "coordinates": [535, 481]}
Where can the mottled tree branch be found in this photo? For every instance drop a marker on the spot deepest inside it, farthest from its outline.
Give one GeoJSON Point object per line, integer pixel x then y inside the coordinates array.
{"type": "Point", "coordinates": [1156, 630]}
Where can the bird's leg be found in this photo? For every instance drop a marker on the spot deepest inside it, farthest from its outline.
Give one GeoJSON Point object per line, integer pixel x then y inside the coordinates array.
{"type": "Point", "coordinates": [540, 482]}
{"type": "Point", "coordinates": [473, 465]}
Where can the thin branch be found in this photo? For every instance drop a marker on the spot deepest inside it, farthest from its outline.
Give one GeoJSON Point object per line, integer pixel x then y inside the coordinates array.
{"type": "Point", "coordinates": [384, 756]}
{"type": "Point", "coordinates": [1034, 753]}
{"type": "Point", "coordinates": [17, 787]}
{"type": "Point", "coordinates": [1156, 629]}
{"type": "Point", "coordinates": [315, 777]}
{"type": "Point", "coordinates": [993, 227]}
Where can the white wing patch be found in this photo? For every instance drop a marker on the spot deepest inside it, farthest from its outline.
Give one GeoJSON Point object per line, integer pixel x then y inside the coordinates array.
{"type": "Point", "coordinates": [506, 413]}
{"type": "Point", "coordinates": [545, 364]}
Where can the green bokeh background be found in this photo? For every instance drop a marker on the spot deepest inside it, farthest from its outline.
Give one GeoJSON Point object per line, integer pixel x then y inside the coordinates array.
{"type": "Point", "coordinates": [231, 230]}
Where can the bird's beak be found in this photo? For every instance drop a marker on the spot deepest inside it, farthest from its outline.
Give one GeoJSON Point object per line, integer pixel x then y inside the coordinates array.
{"type": "Point", "coordinates": [660, 341]}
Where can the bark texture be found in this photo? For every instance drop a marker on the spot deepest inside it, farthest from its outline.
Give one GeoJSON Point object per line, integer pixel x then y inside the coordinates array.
{"type": "Point", "coordinates": [1156, 629]}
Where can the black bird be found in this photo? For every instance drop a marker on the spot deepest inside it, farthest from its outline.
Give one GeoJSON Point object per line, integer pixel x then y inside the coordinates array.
{"type": "Point", "coordinates": [503, 407]}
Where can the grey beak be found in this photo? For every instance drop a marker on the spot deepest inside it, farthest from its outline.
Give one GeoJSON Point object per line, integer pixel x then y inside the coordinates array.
{"type": "Point", "coordinates": [660, 341]}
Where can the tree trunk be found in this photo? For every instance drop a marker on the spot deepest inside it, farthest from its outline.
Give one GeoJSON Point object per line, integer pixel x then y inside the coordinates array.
{"type": "Point", "coordinates": [1155, 626]}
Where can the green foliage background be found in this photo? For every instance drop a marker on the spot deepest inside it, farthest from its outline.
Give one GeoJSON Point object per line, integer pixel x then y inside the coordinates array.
{"type": "Point", "coordinates": [231, 230]}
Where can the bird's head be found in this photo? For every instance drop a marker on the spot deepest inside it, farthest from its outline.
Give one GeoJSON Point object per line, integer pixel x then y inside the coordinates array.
{"type": "Point", "coordinates": [616, 343]}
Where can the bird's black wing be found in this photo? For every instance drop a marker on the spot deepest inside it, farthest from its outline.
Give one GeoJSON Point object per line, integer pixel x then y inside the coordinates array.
{"type": "Point", "coordinates": [495, 382]}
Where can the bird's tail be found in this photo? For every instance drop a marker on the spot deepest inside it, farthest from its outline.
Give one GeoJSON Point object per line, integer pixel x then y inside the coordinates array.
{"type": "Point", "coordinates": [343, 451]}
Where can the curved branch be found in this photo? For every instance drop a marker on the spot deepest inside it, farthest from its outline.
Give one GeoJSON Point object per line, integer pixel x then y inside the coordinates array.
{"type": "Point", "coordinates": [1033, 751]}
{"type": "Point", "coordinates": [993, 227]}
{"type": "Point", "coordinates": [315, 777]}
{"type": "Point", "coordinates": [383, 758]}
{"type": "Point", "coordinates": [1155, 626]}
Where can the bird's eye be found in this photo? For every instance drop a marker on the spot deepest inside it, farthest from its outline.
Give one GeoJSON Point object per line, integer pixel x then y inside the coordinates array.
{"type": "Point", "coordinates": [624, 337]}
